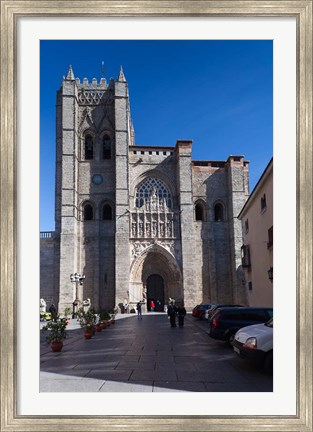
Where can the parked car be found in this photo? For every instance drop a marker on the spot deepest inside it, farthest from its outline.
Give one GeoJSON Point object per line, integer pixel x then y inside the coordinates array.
{"type": "Point", "coordinates": [200, 310]}
{"type": "Point", "coordinates": [45, 316]}
{"type": "Point", "coordinates": [226, 321]}
{"type": "Point", "coordinates": [212, 310]}
{"type": "Point", "coordinates": [194, 310]}
{"type": "Point", "coordinates": [255, 343]}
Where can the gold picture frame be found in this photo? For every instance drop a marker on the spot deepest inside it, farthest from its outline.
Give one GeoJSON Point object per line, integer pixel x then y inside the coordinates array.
{"type": "Point", "coordinates": [10, 12]}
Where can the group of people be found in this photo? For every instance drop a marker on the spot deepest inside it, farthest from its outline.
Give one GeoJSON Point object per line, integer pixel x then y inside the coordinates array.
{"type": "Point", "coordinates": [172, 311]}
{"type": "Point", "coordinates": [179, 311]}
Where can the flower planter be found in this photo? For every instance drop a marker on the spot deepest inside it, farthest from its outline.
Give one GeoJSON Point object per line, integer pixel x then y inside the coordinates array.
{"type": "Point", "coordinates": [112, 321]}
{"type": "Point", "coordinates": [98, 328]}
{"type": "Point", "coordinates": [88, 334]}
{"type": "Point", "coordinates": [103, 326]}
{"type": "Point", "coordinates": [56, 346]}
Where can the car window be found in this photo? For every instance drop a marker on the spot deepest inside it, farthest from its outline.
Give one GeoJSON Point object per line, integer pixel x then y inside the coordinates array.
{"type": "Point", "coordinates": [232, 315]}
{"type": "Point", "coordinates": [255, 315]}
{"type": "Point", "coordinates": [269, 323]}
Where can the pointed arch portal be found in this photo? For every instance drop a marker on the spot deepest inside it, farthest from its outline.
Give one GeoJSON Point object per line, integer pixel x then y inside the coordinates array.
{"type": "Point", "coordinates": [155, 275]}
{"type": "Point", "coordinates": [155, 292]}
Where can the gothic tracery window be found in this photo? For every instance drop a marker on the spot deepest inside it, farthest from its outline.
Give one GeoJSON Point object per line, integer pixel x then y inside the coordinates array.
{"type": "Point", "coordinates": [153, 192]}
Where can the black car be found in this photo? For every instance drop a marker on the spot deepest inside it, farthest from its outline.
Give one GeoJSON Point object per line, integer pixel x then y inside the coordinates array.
{"type": "Point", "coordinates": [212, 311]}
{"type": "Point", "coordinates": [227, 321]}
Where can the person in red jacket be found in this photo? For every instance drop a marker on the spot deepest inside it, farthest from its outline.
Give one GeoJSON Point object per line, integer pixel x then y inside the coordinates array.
{"type": "Point", "coordinates": [152, 306]}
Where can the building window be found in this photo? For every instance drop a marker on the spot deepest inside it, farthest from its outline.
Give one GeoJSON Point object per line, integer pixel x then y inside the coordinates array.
{"type": "Point", "coordinates": [247, 225]}
{"type": "Point", "coordinates": [88, 147]}
{"type": "Point", "coordinates": [263, 203]}
{"type": "Point", "coordinates": [153, 192]}
{"type": "Point", "coordinates": [218, 212]}
{"type": "Point", "coordinates": [88, 212]}
{"type": "Point", "coordinates": [107, 212]}
{"type": "Point", "coordinates": [199, 212]}
{"type": "Point", "coordinates": [245, 256]}
{"type": "Point", "coordinates": [106, 147]}
{"type": "Point", "coordinates": [270, 238]}
{"type": "Point", "coordinates": [250, 286]}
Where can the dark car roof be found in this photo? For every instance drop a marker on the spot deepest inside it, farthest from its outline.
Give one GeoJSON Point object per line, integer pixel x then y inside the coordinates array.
{"type": "Point", "coordinates": [242, 309]}
{"type": "Point", "coordinates": [245, 308]}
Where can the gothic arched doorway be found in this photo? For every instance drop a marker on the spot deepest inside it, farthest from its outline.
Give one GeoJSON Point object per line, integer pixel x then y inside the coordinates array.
{"type": "Point", "coordinates": [155, 292]}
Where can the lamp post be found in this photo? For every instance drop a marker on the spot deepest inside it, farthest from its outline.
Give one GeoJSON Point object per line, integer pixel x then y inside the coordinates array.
{"type": "Point", "coordinates": [78, 279]}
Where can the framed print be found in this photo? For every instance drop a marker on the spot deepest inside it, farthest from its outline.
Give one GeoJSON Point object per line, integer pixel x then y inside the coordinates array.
{"type": "Point", "coordinates": [27, 28]}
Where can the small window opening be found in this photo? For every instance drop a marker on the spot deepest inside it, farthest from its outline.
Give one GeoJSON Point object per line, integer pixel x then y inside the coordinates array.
{"type": "Point", "coordinates": [270, 238]}
{"type": "Point", "coordinates": [247, 225]}
{"type": "Point", "coordinates": [88, 148]}
{"type": "Point", "coordinates": [263, 202]}
{"type": "Point", "coordinates": [199, 212]}
{"type": "Point", "coordinates": [107, 212]}
{"type": "Point", "coordinates": [106, 147]}
{"type": "Point", "coordinates": [218, 212]}
{"type": "Point", "coordinates": [88, 212]}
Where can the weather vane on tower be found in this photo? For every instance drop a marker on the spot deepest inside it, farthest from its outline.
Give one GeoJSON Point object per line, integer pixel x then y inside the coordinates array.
{"type": "Point", "coordinates": [102, 69]}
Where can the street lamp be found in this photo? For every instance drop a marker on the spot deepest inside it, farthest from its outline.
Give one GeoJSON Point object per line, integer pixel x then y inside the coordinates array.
{"type": "Point", "coordinates": [78, 279]}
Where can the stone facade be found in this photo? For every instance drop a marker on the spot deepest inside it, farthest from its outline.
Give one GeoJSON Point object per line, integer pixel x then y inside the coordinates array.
{"type": "Point", "coordinates": [139, 222]}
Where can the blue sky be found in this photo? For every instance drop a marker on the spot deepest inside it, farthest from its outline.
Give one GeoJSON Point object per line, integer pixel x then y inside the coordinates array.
{"type": "Point", "coordinates": [217, 93]}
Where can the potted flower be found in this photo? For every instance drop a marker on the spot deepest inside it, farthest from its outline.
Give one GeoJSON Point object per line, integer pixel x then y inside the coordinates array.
{"type": "Point", "coordinates": [104, 318]}
{"type": "Point", "coordinates": [67, 313]}
{"type": "Point", "coordinates": [113, 315]}
{"type": "Point", "coordinates": [86, 320]}
{"type": "Point", "coordinates": [57, 333]}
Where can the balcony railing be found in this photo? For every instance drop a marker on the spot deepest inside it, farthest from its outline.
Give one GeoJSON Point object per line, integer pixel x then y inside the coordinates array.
{"type": "Point", "coordinates": [47, 234]}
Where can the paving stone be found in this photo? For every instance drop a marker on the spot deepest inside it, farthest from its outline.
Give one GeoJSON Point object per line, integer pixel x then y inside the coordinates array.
{"type": "Point", "coordinates": [176, 361]}
{"type": "Point", "coordinates": [133, 386]}
{"type": "Point", "coordinates": [108, 374]}
{"type": "Point", "coordinates": [67, 385]}
{"type": "Point", "coordinates": [174, 386]}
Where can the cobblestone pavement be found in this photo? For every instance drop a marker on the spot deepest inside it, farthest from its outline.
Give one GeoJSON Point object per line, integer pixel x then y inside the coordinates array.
{"type": "Point", "coordinates": [147, 356]}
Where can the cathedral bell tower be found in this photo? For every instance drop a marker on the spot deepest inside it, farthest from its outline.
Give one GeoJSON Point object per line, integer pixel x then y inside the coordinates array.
{"type": "Point", "coordinates": [94, 131]}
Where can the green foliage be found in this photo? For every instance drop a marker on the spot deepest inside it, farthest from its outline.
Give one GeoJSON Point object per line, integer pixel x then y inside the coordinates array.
{"type": "Point", "coordinates": [67, 312]}
{"type": "Point", "coordinates": [56, 329]}
{"type": "Point", "coordinates": [86, 318]}
{"type": "Point", "coordinates": [104, 315]}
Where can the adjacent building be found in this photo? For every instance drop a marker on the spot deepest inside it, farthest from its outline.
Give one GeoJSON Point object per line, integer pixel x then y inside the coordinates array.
{"type": "Point", "coordinates": [139, 222]}
{"type": "Point", "coordinates": [257, 249]}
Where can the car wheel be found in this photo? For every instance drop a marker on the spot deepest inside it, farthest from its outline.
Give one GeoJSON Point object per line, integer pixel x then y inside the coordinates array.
{"type": "Point", "coordinates": [268, 363]}
{"type": "Point", "coordinates": [230, 339]}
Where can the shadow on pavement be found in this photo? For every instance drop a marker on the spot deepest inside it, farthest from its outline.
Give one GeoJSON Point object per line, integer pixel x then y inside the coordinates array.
{"type": "Point", "coordinates": [147, 356]}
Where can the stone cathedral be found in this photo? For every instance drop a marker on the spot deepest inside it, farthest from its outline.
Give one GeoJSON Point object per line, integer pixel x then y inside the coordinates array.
{"type": "Point", "coordinates": [139, 222]}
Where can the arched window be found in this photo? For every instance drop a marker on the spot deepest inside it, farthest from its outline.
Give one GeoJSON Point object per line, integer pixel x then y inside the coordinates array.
{"type": "Point", "coordinates": [199, 211]}
{"type": "Point", "coordinates": [218, 212]}
{"type": "Point", "coordinates": [153, 191]}
{"type": "Point", "coordinates": [106, 147]}
{"type": "Point", "coordinates": [107, 212]}
{"type": "Point", "coordinates": [88, 212]}
{"type": "Point", "coordinates": [88, 147]}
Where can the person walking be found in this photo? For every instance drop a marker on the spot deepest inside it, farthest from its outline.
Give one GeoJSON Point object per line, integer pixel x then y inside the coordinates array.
{"type": "Point", "coordinates": [181, 312]}
{"type": "Point", "coordinates": [139, 311]}
{"type": "Point", "coordinates": [152, 306]}
{"type": "Point", "coordinates": [171, 312]}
